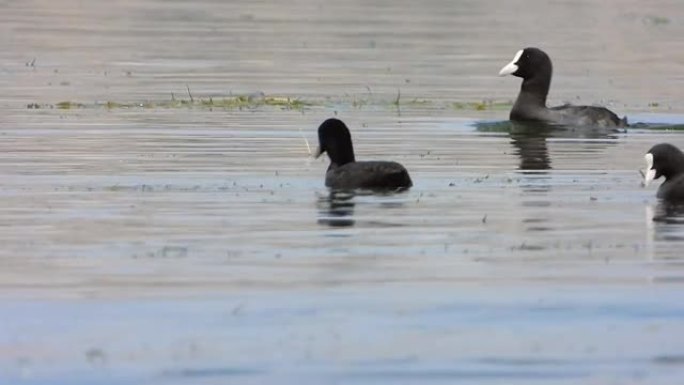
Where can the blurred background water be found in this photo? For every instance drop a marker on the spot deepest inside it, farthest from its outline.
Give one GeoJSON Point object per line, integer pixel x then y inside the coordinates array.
{"type": "Point", "coordinates": [146, 241]}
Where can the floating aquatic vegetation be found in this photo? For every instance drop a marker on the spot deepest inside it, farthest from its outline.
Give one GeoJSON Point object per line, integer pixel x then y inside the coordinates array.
{"type": "Point", "coordinates": [260, 100]}
{"type": "Point", "coordinates": [68, 105]}
{"type": "Point", "coordinates": [226, 102]}
{"type": "Point", "coordinates": [483, 105]}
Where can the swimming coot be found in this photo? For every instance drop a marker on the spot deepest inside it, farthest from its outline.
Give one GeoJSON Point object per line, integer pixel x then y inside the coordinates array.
{"type": "Point", "coordinates": [534, 67]}
{"type": "Point", "coordinates": [345, 172]}
{"type": "Point", "coordinates": [666, 160]}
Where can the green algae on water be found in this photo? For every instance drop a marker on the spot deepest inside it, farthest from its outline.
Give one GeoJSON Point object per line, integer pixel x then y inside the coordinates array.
{"type": "Point", "coordinates": [482, 105]}
{"type": "Point", "coordinates": [229, 102]}
{"type": "Point", "coordinates": [67, 105]}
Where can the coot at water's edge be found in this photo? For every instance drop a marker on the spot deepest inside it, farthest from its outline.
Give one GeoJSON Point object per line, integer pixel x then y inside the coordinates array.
{"type": "Point", "coordinates": [534, 67]}
{"type": "Point", "coordinates": [345, 172]}
{"type": "Point", "coordinates": [667, 161]}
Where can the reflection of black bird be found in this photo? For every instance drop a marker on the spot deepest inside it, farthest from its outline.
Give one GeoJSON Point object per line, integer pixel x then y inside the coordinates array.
{"type": "Point", "coordinates": [530, 143]}
{"type": "Point", "coordinates": [669, 212]}
{"type": "Point", "coordinates": [534, 67]}
{"type": "Point", "coordinates": [534, 155]}
{"type": "Point", "coordinates": [336, 209]}
{"type": "Point", "coordinates": [530, 139]}
{"type": "Point", "coordinates": [345, 172]}
{"type": "Point", "coordinates": [667, 161]}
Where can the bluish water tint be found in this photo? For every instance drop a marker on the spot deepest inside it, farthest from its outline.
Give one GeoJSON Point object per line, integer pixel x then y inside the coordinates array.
{"type": "Point", "coordinates": [150, 242]}
{"type": "Point", "coordinates": [449, 331]}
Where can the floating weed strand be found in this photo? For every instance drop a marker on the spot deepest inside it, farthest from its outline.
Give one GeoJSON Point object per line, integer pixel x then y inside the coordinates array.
{"type": "Point", "coordinates": [308, 148]}
{"type": "Point", "coordinates": [643, 178]}
{"type": "Point", "coordinates": [192, 100]}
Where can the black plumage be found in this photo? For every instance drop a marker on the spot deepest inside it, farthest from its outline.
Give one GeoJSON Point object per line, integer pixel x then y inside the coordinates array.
{"type": "Point", "coordinates": [667, 161]}
{"type": "Point", "coordinates": [344, 172]}
{"type": "Point", "coordinates": [534, 67]}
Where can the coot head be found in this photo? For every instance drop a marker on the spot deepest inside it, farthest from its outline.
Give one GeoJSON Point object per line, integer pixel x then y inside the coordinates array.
{"type": "Point", "coordinates": [663, 160]}
{"type": "Point", "coordinates": [529, 63]}
{"type": "Point", "coordinates": [534, 67]}
{"type": "Point", "coordinates": [335, 139]}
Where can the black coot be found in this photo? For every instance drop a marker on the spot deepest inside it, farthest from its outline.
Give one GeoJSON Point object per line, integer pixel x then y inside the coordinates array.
{"type": "Point", "coordinates": [534, 67]}
{"type": "Point", "coordinates": [345, 172]}
{"type": "Point", "coordinates": [666, 160]}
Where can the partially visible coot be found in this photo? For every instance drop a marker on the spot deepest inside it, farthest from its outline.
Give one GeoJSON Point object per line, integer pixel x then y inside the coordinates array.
{"type": "Point", "coordinates": [534, 67]}
{"type": "Point", "coordinates": [345, 172]}
{"type": "Point", "coordinates": [667, 161]}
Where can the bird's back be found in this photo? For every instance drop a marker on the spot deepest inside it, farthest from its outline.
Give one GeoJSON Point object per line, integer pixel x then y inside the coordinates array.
{"type": "Point", "coordinates": [586, 116]}
{"type": "Point", "coordinates": [672, 190]}
{"type": "Point", "coordinates": [369, 175]}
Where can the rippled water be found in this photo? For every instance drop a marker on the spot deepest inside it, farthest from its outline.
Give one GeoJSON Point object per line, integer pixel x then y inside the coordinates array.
{"type": "Point", "coordinates": [168, 244]}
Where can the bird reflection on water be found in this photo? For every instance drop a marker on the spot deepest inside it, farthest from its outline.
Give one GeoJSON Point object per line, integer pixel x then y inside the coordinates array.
{"type": "Point", "coordinates": [669, 213]}
{"type": "Point", "coordinates": [530, 139]}
{"type": "Point", "coordinates": [336, 209]}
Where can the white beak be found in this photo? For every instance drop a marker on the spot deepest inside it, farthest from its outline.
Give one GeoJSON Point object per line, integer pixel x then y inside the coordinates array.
{"type": "Point", "coordinates": [511, 67]}
{"type": "Point", "coordinates": [650, 173]}
{"type": "Point", "coordinates": [317, 153]}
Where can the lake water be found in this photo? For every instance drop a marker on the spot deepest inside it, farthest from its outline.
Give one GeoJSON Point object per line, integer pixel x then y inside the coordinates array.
{"type": "Point", "coordinates": [147, 239]}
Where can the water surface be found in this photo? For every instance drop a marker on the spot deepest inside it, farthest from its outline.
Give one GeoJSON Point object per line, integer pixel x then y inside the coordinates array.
{"type": "Point", "coordinates": [196, 245]}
